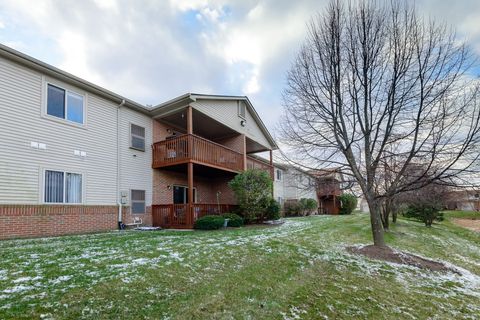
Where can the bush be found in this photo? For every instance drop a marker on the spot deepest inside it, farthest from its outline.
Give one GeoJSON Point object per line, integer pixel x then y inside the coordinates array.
{"type": "Point", "coordinates": [348, 203]}
{"type": "Point", "coordinates": [427, 213]}
{"type": "Point", "coordinates": [235, 220]}
{"type": "Point", "coordinates": [308, 206]}
{"type": "Point", "coordinates": [253, 190]}
{"type": "Point", "coordinates": [273, 210]}
{"type": "Point", "coordinates": [209, 223]}
{"type": "Point", "coordinates": [292, 209]}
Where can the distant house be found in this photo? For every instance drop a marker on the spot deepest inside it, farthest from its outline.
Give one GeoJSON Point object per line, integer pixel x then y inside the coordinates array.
{"type": "Point", "coordinates": [292, 184]}
{"type": "Point", "coordinates": [463, 199]}
{"type": "Point", "coordinates": [328, 189]}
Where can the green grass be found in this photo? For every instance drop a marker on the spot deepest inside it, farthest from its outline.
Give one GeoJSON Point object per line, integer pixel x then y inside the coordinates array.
{"type": "Point", "coordinates": [462, 214]}
{"type": "Point", "coordinates": [299, 270]}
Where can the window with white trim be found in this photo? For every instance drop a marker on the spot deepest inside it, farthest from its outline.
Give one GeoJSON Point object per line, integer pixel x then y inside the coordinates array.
{"type": "Point", "coordinates": [279, 175]}
{"type": "Point", "coordinates": [65, 104]}
{"type": "Point", "coordinates": [137, 137]}
{"type": "Point", "coordinates": [241, 109]}
{"type": "Point", "coordinates": [138, 201]}
{"type": "Point", "coordinates": [62, 187]}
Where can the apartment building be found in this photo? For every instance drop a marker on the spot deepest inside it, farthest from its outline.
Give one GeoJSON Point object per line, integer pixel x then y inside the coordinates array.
{"type": "Point", "coordinates": [77, 158]}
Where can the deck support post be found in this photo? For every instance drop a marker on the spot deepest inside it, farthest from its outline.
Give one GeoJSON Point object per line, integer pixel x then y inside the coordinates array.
{"type": "Point", "coordinates": [244, 151]}
{"type": "Point", "coordinates": [190, 168]}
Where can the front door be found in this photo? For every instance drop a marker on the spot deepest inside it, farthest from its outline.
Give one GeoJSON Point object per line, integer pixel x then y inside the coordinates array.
{"type": "Point", "coordinates": [180, 195]}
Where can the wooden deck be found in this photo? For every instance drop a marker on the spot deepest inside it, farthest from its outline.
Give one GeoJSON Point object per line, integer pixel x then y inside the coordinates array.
{"type": "Point", "coordinates": [253, 163]}
{"type": "Point", "coordinates": [177, 215]}
{"type": "Point", "coordinates": [192, 148]}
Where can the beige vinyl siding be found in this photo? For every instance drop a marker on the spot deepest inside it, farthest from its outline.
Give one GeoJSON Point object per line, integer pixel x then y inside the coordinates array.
{"type": "Point", "coordinates": [225, 111]}
{"type": "Point", "coordinates": [135, 166]}
{"type": "Point", "coordinates": [278, 185]}
{"type": "Point", "coordinates": [21, 122]}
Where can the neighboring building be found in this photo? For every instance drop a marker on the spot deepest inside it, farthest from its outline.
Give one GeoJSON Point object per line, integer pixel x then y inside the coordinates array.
{"type": "Point", "coordinates": [76, 158]}
{"type": "Point", "coordinates": [463, 199]}
{"type": "Point", "coordinates": [292, 184]}
{"type": "Point", "coordinates": [328, 189]}
{"type": "Point", "coordinates": [279, 183]}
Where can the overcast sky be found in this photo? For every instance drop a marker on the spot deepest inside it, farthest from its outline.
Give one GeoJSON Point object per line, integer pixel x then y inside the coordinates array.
{"type": "Point", "coordinates": [152, 51]}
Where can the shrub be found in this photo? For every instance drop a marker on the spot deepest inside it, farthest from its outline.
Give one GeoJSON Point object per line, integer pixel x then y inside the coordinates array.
{"type": "Point", "coordinates": [292, 209]}
{"type": "Point", "coordinates": [235, 220]}
{"type": "Point", "coordinates": [209, 223]}
{"type": "Point", "coordinates": [348, 203]}
{"type": "Point", "coordinates": [427, 213]}
{"type": "Point", "coordinates": [307, 206]}
{"type": "Point", "coordinates": [253, 190]}
{"type": "Point", "coordinates": [273, 210]}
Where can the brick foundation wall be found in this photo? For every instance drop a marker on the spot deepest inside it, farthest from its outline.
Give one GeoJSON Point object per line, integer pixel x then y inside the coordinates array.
{"type": "Point", "coordinates": [29, 221]}
{"type": "Point", "coordinates": [127, 216]}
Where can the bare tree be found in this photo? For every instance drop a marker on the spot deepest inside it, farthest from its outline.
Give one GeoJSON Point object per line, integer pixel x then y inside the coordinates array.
{"type": "Point", "coordinates": [371, 76]}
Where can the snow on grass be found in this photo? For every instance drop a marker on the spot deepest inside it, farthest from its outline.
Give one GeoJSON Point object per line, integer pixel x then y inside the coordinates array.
{"type": "Point", "coordinates": [59, 265]}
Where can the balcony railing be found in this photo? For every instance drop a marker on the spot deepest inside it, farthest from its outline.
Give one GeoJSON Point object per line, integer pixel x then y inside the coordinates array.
{"type": "Point", "coordinates": [193, 148]}
{"type": "Point", "coordinates": [177, 215]}
{"type": "Point", "coordinates": [253, 163]}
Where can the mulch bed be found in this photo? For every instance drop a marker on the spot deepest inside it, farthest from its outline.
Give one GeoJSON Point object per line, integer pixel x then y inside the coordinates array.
{"type": "Point", "coordinates": [388, 254]}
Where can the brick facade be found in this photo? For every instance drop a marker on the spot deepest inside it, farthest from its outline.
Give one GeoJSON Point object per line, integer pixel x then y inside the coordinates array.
{"type": "Point", "coordinates": [207, 187]}
{"type": "Point", "coordinates": [28, 221]}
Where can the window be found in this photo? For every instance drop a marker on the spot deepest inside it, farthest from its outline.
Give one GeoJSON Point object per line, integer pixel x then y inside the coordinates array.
{"type": "Point", "coordinates": [62, 187]}
{"type": "Point", "coordinates": [180, 195]}
{"type": "Point", "coordinates": [138, 201]}
{"type": "Point", "coordinates": [64, 104]}
{"type": "Point", "coordinates": [241, 109]}
{"type": "Point", "coordinates": [137, 137]}
{"type": "Point", "coordinates": [279, 175]}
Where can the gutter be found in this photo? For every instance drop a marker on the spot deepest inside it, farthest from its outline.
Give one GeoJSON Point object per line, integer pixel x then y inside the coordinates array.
{"type": "Point", "coordinates": [119, 197]}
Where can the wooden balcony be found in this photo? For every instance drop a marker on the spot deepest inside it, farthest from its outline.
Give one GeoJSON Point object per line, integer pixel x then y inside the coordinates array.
{"type": "Point", "coordinates": [192, 148]}
{"type": "Point", "coordinates": [253, 163]}
{"type": "Point", "coordinates": [183, 216]}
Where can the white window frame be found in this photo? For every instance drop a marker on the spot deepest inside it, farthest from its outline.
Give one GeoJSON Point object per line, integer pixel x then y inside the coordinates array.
{"type": "Point", "coordinates": [137, 136]}
{"type": "Point", "coordinates": [276, 175]}
{"type": "Point", "coordinates": [144, 201]}
{"type": "Point", "coordinates": [42, 195]}
{"type": "Point", "coordinates": [186, 193]}
{"type": "Point", "coordinates": [240, 104]}
{"type": "Point", "coordinates": [67, 89]}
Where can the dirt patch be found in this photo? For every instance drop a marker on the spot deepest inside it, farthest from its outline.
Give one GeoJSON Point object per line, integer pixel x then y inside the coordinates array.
{"type": "Point", "coordinates": [388, 254]}
{"type": "Point", "coordinates": [472, 224]}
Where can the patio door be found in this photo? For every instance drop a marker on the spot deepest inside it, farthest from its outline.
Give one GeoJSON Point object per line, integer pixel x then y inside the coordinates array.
{"type": "Point", "coordinates": [180, 195]}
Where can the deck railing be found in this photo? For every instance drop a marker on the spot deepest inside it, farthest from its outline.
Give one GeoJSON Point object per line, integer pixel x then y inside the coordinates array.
{"type": "Point", "coordinates": [176, 215]}
{"type": "Point", "coordinates": [253, 163]}
{"type": "Point", "coordinates": [190, 147]}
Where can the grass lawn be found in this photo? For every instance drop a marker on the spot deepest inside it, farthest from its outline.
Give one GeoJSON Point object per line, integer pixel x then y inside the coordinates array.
{"type": "Point", "coordinates": [299, 270]}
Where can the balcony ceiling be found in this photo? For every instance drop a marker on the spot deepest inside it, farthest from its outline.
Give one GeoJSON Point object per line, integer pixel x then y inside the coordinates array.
{"type": "Point", "coordinates": [207, 127]}
{"type": "Point", "coordinates": [203, 125]}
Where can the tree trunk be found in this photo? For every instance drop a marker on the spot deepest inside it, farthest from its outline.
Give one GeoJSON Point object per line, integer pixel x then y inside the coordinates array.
{"type": "Point", "coordinates": [385, 214]}
{"type": "Point", "coordinates": [394, 215]}
{"type": "Point", "coordinates": [376, 223]}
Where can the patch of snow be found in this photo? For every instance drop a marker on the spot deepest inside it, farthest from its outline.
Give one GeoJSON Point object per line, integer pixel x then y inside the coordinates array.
{"type": "Point", "coordinates": [19, 288]}
{"type": "Point", "coordinates": [26, 279]}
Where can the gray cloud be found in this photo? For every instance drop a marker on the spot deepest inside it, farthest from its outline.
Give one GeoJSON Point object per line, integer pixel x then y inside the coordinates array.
{"type": "Point", "coordinates": [151, 51]}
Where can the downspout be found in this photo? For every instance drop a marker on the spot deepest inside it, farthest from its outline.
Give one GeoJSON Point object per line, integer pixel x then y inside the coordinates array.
{"type": "Point", "coordinates": [119, 200]}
